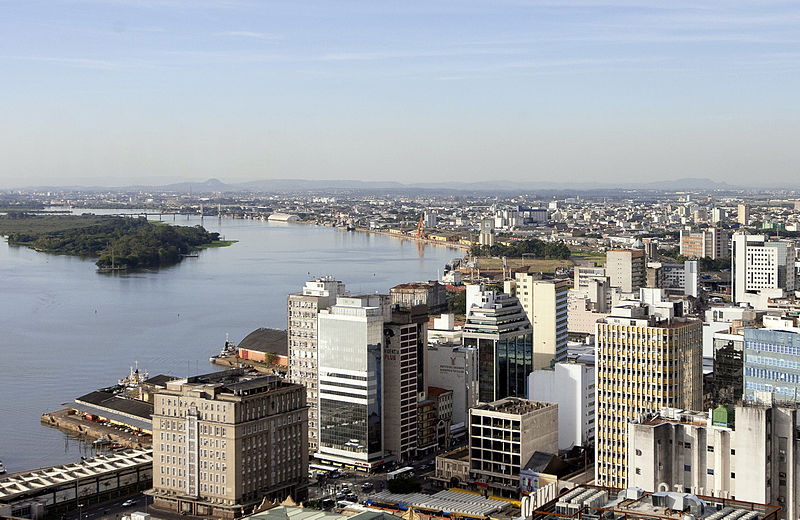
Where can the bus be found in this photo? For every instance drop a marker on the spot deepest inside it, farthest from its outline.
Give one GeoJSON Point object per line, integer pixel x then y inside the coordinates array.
{"type": "Point", "coordinates": [321, 469]}
{"type": "Point", "coordinates": [408, 471]}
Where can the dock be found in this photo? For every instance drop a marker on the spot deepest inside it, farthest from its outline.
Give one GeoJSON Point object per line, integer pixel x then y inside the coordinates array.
{"type": "Point", "coordinates": [68, 420]}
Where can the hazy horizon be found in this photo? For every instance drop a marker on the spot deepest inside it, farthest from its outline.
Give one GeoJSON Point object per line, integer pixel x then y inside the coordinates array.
{"type": "Point", "coordinates": [124, 92]}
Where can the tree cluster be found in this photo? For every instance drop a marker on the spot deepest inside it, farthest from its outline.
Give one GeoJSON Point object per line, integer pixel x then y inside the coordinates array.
{"type": "Point", "coordinates": [133, 242]}
{"type": "Point", "coordinates": [532, 248]}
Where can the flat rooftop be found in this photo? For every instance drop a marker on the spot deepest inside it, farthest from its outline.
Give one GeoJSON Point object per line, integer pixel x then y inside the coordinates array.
{"type": "Point", "coordinates": [37, 481]}
{"type": "Point", "coordinates": [514, 405]}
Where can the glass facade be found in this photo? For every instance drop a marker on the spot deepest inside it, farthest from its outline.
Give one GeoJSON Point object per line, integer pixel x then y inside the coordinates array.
{"type": "Point", "coordinates": [350, 382]}
{"type": "Point", "coordinates": [505, 364]}
{"type": "Point", "coordinates": [772, 363]}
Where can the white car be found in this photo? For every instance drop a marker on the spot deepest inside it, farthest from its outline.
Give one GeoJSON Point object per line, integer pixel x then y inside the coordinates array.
{"type": "Point", "coordinates": [128, 503]}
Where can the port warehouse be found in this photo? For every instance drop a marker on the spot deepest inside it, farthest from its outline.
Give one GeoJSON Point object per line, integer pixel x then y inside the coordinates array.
{"type": "Point", "coordinates": [117, 409]}
{"type": "Point", "coordinates": [50, 492]}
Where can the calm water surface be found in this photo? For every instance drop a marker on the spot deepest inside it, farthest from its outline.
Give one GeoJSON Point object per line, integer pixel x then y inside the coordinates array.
{"type": "Point", "coordinates": [66, 330]}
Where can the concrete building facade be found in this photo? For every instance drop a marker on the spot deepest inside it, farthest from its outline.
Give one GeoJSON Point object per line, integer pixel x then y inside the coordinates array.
{"type": "Point", "coordinates": [225, 440]}
{"type": "Point", "coordinates": [302, 311]}
{"type": "Point", "coordinates": [545, 305]}
{"type": "Point", "coordinates": [504, 435]}
{"type": "Point", "coordinates": [747, 453]}
{"type": "Point", "coordinates": [571, 387]}
{"type": "Point", "coordinates": [644, 363]}
{"type": "Point", "coordinates": [761, 269]}
{"type": "Point", "coordinates": [626, 269]}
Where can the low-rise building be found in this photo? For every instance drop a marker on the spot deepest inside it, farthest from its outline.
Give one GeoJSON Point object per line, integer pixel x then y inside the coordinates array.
{"type": "Point", "coordinates": [504, 435]}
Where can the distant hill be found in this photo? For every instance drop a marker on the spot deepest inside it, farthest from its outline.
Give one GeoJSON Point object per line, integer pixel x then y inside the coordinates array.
{"type": "Point", "coordinates": [495, 186]}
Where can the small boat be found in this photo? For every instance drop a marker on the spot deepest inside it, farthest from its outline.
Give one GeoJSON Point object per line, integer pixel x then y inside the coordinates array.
{"type": "Point", "coordinates": [102, 441]}
{"type": "Point", "coordinates": [2, 468]}
{"type": "Point", "coordinates": [228, 350]}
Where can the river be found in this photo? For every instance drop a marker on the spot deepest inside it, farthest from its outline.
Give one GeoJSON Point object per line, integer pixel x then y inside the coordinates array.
{"type": "Point", "coordinates": [66, 329]}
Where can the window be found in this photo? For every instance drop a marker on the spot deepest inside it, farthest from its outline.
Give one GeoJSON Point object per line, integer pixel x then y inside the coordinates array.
{"type": "Point", "coordinates": [638, 471]}
{"type": "Point", "coordinates": [710, 449]}
{"type": "Point", "coordinates": [687, 467]}
{"type": "Point", "coordinates": [710, 471]}
{"type": "Point", "coordinates": [733, 451]}
{"type": "Point", "coordinates": [733, 475]}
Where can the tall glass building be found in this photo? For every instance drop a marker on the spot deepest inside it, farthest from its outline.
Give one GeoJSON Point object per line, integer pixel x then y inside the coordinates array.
{"type": "Point", "coordinates": [772, 364]}
{"type": "Point", "coordinates": [498, 328]}
{"type": "Point", "coordinates": [350, 339]}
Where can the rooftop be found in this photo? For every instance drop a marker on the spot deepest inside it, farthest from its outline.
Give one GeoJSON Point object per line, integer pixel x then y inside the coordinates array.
{"type": "Point", "coordinates": [444, 501]}
{"type": "Point", "coordinates": [33, 482]}
{"type": "Point", "coordinates": [585, 500]}
{"type": "Point", "coordinates": [266, 340]}
{"type": "Point", "coordinates": [514, 405]}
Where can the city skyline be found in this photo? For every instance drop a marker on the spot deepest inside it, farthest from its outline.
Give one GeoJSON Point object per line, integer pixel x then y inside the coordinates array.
{"type": "Point", "coordinates": [117, 92]}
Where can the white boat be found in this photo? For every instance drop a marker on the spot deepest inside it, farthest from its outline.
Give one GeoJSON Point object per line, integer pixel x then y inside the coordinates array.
{"type": "Point", "coordinates": [2, 468]}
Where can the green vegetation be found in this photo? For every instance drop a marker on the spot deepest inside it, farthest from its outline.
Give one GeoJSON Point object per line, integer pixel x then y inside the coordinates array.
{"type": "Point", "coordinates": [132, 242]}
{"type": "Point", "coordinates": [532, 248]}
{"type": "Point", "coordinates": [217, 243]}
{"type": "Point", "coordinates": [705, 264]}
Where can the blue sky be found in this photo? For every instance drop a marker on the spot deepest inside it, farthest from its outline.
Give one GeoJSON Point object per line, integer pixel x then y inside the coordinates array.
{"type": "Point", "coordinates": [121, 91]}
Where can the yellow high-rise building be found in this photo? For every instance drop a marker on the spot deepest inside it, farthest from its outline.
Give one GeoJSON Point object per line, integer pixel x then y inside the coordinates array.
{"type": "Point", "coordinates": [644, 364]}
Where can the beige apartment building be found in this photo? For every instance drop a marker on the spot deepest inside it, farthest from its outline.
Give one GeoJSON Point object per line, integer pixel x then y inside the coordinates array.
{"type": "Point", "coordinates": [303, 309]}
{"type": "Point", "coordinates": [644, 363]}
{"type": "Point", "coordinates": [545, 304]}
{"type": "Point", "coordinates": [224, 441]}
{"type": "Point", "coordinates": [626, 269]}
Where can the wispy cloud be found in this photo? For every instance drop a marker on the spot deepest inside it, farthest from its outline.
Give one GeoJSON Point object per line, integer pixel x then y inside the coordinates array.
{"type": "Point", "coordinates": [250, 35]}
{"type": "Point", "coordinates": [91, 63]}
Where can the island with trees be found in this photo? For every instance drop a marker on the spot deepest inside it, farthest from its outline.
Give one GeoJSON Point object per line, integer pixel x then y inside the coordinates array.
{"type": "Point", "coordinates": [118, 242]}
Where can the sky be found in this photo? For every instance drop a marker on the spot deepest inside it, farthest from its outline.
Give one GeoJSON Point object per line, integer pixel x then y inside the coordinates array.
{"type": "Point", "coordinates": [116, 92]}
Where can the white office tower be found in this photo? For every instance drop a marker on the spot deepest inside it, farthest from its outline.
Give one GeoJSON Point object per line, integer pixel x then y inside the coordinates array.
{"type": "Point", "coordinates": [303, 308]}
{"type": "Point", "coordinates": [571, 386]}
{"type": "Point", "coordinates": [350, 381]}
{"type": "Point", "coordinates": [645, 361]}
{"type": "Point", "coordinates": [761, 269]}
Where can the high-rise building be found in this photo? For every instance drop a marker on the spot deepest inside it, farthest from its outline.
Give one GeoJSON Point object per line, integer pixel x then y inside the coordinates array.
{"type": "Point", "coordinates": [499, 330]}
{"type": "Point", "coordinates": [761, 269]}
{"type": "Point", "coordinates": [545, 305]}
{"type": "Point", "coordinates": [404, 339]}
{"type": "Point", "coordinates": [748, 453]}
{"type": "Point", "coordinates": [351, 413]}
{"type": "Point", "coordinates": [743, 214]}
{"type": "Point", "coordinates": [626, 269]}
{"type": "Point", "coordinates": [302, 312]}
{"type": "Point", "coordinates": [504, 435]}
{"type": "Point", "coordinates": [711, 243]}
{"type": "Point", "coordinates": [486, 233]}
{"type": "Point", "coordinates": [728, 368]}
{"type": "Point", "coordinates": [226, 440]}
{"type": "Point", "coordinates": [645, 362]}
{"type": "Point", "coordinates": [571, 386]}
{"type": "Point", "coordinates": [718, 215]}
{"type": "Point", "coordinates": [772, 364]}
{"type": "Point", "coordinates": [454, 367]}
